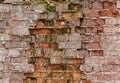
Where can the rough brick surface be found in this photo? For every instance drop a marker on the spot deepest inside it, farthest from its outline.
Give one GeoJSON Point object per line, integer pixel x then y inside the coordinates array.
{"type": "Point", "coordinates": [77, 43]}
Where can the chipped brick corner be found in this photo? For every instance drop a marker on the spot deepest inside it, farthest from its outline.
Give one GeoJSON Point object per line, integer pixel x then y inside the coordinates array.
{"type": "Point", "coordinates": [77, 43]}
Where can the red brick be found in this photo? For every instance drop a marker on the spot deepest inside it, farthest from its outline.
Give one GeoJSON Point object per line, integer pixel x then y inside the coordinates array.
{"type": "Point", "coordinates": [115, 76]}
{"type": "Point", "coordinates": [99, 22]}
{"type": "Point", "coordinates": [113, 61]}
{"type": "Point", "coordinates": [16, 60]}
{"type": "Point", "coordinates": [102, 77]}
{"type": "Point", "coordinates": [96, 38]}
{"type": "Point", "coordinates": [107, 68]}
{"type": "Point", "coordinates": [109, 5]}
{"type": "Point", "coordinates": [41, 45]}
{"type": "Point", "coordinates": [86, 37]}
{"type": "Point", "coordinates": [92, 45]}
{"type": "Point", "coordinates": [97, 53]}
{"type": "Point", "coordinates": [91, 30]}
{"type": "Point", "coordinates": [97, 5]}
{"type": "Point", "coordinates": [100, 29]}
{"type": "Point", "coordinates": [83, 53]}
{"type": "Point", "coordinates": [108, 12]}
{"type": "Point", "coordinates": [85, 68]}
{"type": "Point", "coordinates": [91, 13]}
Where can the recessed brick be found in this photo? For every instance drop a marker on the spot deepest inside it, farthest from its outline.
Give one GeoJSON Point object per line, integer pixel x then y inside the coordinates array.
{"type": "Point", "coordinates": [97, 53]}
{"type": "Point", "coordinates": [40, 31]}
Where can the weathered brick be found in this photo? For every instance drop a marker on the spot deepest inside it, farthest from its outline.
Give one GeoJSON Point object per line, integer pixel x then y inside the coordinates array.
{"type": "Point", "coordinates": [20, 31]}
{"type": "Point", "coordinates": [74, 38]}
{"type": "Point", "coordinates": [70, 45]}
{"type": "Point", "coordinates": [15, 60]}
{"type": "Point", "coordinates": [4, 37]}
{"type": "Point", "coordinates": [118, 4]}
{"type": "Point", "coordinates": [13, 52]}
{"type": "Point", "coordinates": [93, 45]}
{"type": "Point", "coordinates": [15, 81]}
{"type": "Point", "coordinates": [97, 5]}
{"type": "Point", "coordinates": [71, 53]}
{"type": "Point", "coordinates": [111, 21]}
{"type": "Point", "coordinates": [39, 8]}
{"type": "Point", "coordinates": [5, 7]}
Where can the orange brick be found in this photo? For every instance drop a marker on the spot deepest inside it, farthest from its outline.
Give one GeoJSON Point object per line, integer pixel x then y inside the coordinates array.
{"type": "Point", "coordinates": [37, 24]}
{"type": "Point", "coordinates": [40, 80]}
{"type": "Point", "coordinates": [60, 22]}
{"type": "Point", "coordinates": [56, 74]}
{"type": "Point", "coordinates": [68, 75]}
{"type": "Point", "coordinates": [79, 75]}
{"type": "Point", "coordinates": [73, 61]}
{"type": "Point", "coordinates": [42, 60]}
{"type": "Point", "coordinates": [55, 67]}
{"type": "Point", "coordinates": [39, 31]}
{"type": "Point", "coordinates": [55, 81]}
{"type": "Point", "coordinates": [68, 15]}
{"type": "Point", "coordinates": [73, 81]}
{"type": "Point", "coordinates": [39, 67]}
{"type": "Point", "coordinates": [45, 45]}
{"type": "Point", "coordinates": [86, 81]}
{"type": "Point", "coordinates": [43, 74]}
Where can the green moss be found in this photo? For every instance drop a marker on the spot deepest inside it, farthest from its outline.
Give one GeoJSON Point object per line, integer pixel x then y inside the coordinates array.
{"type": "Point", "coordinates": [50, 8]}
{"type": "Point", "coordinates": [71, 6]}
{"type": "Point", "coordinates": [49, 38]}
{"type": "Point", "coordinates": [33, 52]}
{"type": "Point", "coordinates": [1, 1]}
{"type": "Point", "coordinates": [29, 3]}
{"type": "Point", "coordinates": [1, 77]}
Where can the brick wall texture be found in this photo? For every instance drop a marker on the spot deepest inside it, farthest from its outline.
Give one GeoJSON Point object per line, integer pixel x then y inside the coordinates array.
{"type": "Point", "coordinates": [72, 42]}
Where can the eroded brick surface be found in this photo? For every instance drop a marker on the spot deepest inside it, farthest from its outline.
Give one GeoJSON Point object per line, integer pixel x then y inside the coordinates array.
{"type": "Point", "coordinates": [77, 43]}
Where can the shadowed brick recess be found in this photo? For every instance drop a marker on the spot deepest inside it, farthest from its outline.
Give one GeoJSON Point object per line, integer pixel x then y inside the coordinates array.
{"type": "Point", "coordinates": [64, 41]}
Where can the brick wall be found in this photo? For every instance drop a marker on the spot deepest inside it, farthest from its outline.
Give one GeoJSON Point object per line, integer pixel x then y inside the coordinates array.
{"type": "Point", "coordinates": [75, 42]}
